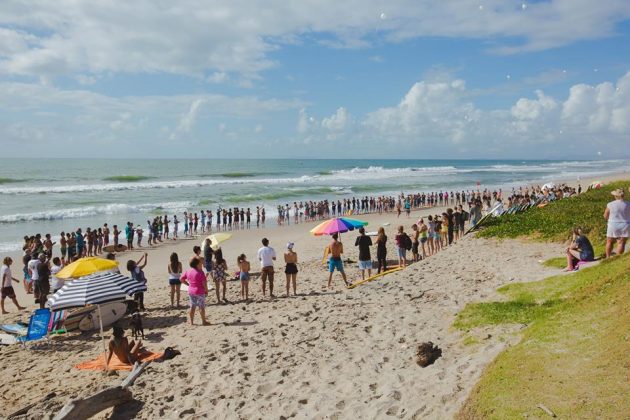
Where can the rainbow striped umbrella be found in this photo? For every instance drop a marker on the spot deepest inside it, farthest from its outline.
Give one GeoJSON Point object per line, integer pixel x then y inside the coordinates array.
{"type": "Point", "coordinates": [337, 225]}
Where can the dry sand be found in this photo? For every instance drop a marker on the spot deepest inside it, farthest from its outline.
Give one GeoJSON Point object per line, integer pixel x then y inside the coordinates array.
{"type": "Point", "coordinates": [322, 354]}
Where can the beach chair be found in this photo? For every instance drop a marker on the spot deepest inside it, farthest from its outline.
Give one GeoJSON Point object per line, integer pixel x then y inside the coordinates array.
{"type": "Point", "coordinates": [56, 325]}
{"type": "Point", "coordinates": [37, 327]}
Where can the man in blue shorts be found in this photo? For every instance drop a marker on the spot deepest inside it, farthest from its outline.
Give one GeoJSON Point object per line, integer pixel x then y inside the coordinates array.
{"type": "Point", "coordinates": [335, 249]}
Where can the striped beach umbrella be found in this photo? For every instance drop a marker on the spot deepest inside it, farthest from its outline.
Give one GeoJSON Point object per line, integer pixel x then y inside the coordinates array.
{"type": "Point", "coordinates": [94, 289]}
{"type": "Point", "coordinates": [337, 225]}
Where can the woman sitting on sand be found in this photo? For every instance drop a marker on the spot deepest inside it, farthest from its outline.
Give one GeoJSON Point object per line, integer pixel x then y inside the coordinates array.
{"type": "Point", "coordinates": [126, 351]}
{"type": "Point", "coordinates": [579, 250]}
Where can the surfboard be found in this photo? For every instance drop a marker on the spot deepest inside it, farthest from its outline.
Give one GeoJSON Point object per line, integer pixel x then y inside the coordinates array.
{"type": "Point", "coordinates": [17, 329]}
{"type": "Point", "coordinates": [74, 318]}
{"type": "Point", "coordinates": [484, 218]}
{"type": "Point", "coordinates": [7, 339]}
{"type": "Point", "coordinates": [113, 248]}
{"type": "Point", "coordinates": [110, 312]}
{"type": "Point", "coordinates": [369, 279]}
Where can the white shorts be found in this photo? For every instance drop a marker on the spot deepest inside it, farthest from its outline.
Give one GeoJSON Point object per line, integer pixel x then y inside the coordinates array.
{"type": "Point", "coordinates": [365, 265]}
{"type": "Point", "coordinates": [618, 230]}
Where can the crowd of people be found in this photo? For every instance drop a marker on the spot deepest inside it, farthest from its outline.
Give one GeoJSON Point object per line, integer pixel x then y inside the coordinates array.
{"type": "Point", "coordinates": [425, 238]}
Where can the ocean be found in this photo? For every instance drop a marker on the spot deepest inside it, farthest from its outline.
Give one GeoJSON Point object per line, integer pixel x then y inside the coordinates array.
{"type": "Point", "coordinates": [51, 195]}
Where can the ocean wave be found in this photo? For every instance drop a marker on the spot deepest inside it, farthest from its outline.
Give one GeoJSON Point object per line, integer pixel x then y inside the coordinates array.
{"type": "Point", "coordinates": [285, 193]}
{"type": "Point", "coordinates": [10, 180]}
{"type": "Point", "coordinates": [349, 177]}
{"type": "Point", "coordinates": [116, 208]}
{"type": "Point", "coordinates": [10, 246]}
{"type": "Point", "coordinates": [127, 178]}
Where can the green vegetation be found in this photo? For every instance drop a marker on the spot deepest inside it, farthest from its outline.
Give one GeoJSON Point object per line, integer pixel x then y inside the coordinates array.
{"type": "Point", "coordinates": [127, 178]}
{"type": "Point", "coordinates": [572, 358]}
{"type": "Point", "coordinates": [555, 221]}
{"type": "Point", "coordinates": [573, 355]}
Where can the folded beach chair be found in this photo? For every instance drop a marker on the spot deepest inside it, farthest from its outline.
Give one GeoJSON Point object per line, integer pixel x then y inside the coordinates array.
{"type": "Point", "coordinates": [56, 322]}
{"type": "Point", "coordinates": [37, 327]}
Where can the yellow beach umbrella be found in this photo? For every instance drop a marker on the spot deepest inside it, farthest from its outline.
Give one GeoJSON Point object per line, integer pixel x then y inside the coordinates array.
{"type": "Point", "coordinates": [215, 239]}
{"type": "Point", "coordinates": [86, 266]}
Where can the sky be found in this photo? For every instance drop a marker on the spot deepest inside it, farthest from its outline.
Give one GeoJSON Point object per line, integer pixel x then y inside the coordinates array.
{"type": "Point", "coordinates": [315, 79]}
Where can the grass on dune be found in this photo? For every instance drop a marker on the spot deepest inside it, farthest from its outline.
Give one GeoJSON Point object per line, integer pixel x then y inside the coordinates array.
{"type": "Point", "coordinates": [555, 221]}
{"type": "Point", "coordinates": [573, 357]}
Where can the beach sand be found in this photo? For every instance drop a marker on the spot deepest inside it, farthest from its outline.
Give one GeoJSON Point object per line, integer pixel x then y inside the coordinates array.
{"type": "Point", "coordinates": [322, 354]}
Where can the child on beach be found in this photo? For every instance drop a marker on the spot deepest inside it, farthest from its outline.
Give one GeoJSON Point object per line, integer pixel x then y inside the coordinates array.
{"type": "Point", "coordinates": [197, 284]}
{"type": "Point", "coordinates": [290, 270]}
{"type": "Point", "coordinates": [7, 287]}
{"type": "Point", "coordinates": [244, 267]}
{"type": "Point", "coordinates": [401, 246]}
{"type": "Point", "coordinates": [135, 268]}
{"type": "Point", "coordinates": [174, 274]}
{"type": "Point", "coordinates": [219, 274]}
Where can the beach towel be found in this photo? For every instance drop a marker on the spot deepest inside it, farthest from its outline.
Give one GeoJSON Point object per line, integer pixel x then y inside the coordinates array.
{"type": "Point", "coordinates": [115, 363]}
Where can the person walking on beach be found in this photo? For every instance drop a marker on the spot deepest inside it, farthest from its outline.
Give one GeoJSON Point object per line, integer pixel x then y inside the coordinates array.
{"type": "Point", "coordinates": [617, 215]}
{"type": "Point", "coordinates": [266, 256]}
{"type": "Point", "coordinates": [291, 270]}
{"type": "Point", "coordinates": [335, 249]}
{"type": "Point", "coordinates": [174, 275]}
{"type": "Point", "coordinates": [243, 276]}
{"type": "Point", "coordinates": [364, 243]}
{"type": "Point", "coordinates": [7, 287]}
{"type": "Point", "coordinates": [197, 283]}
{"type": "Point", "coordinates": [381, 250]}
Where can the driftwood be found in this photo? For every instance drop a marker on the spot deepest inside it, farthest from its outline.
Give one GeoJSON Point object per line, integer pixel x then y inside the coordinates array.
{"type": "Point", "coordinates": [420, 295]}
{"type": "Point", "coordinates": [84, 408]}
{"type": "Point", "coordinates": [546, 410]}
{"type": "Point", "coordinates": [137, 370]}
{"type": "Point", "coordinates": [24, 410]}
{"type": "Point", "coordinates": [307, 340]}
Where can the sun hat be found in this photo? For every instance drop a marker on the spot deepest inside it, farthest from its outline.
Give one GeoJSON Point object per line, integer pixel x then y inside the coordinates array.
{"type": "Point", "coordinates": [618, 192]}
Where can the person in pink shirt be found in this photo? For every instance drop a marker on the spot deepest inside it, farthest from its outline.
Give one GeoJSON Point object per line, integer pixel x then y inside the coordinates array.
{"type": "Point", "coordinates": [197, 290]}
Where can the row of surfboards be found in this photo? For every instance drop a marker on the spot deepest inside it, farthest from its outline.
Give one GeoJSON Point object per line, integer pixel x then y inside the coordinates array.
{"type": "Point", "coordinates": [83, 319]}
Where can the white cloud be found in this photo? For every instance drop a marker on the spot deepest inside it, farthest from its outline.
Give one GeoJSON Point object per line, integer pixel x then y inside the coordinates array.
{"type": "Point", "coordinates": [194, 37]}
{"type": "Point", "coordinates": [218, 77]}
{"type": "Point", "coordinates": [440, 116]}
{"type": "Point", "coordinates": [188, 120]}
{"type": "Point", "coordinates": [337, 121]}
{"type": "Point", "coordinates": [305, 121]}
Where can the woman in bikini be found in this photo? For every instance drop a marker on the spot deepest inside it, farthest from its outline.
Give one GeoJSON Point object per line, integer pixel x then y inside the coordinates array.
{"type": "Point", "coordinates": [243, 276]}
{"type": "Point", "coordinates": [291, 270]}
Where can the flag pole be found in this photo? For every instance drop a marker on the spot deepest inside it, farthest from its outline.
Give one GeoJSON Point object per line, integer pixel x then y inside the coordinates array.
{"type": "Point", "coordinates": [100, 320]}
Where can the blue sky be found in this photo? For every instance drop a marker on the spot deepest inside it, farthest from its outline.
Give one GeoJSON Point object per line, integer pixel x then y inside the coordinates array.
{"type": "Point", "coordinates": [395, 79]}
